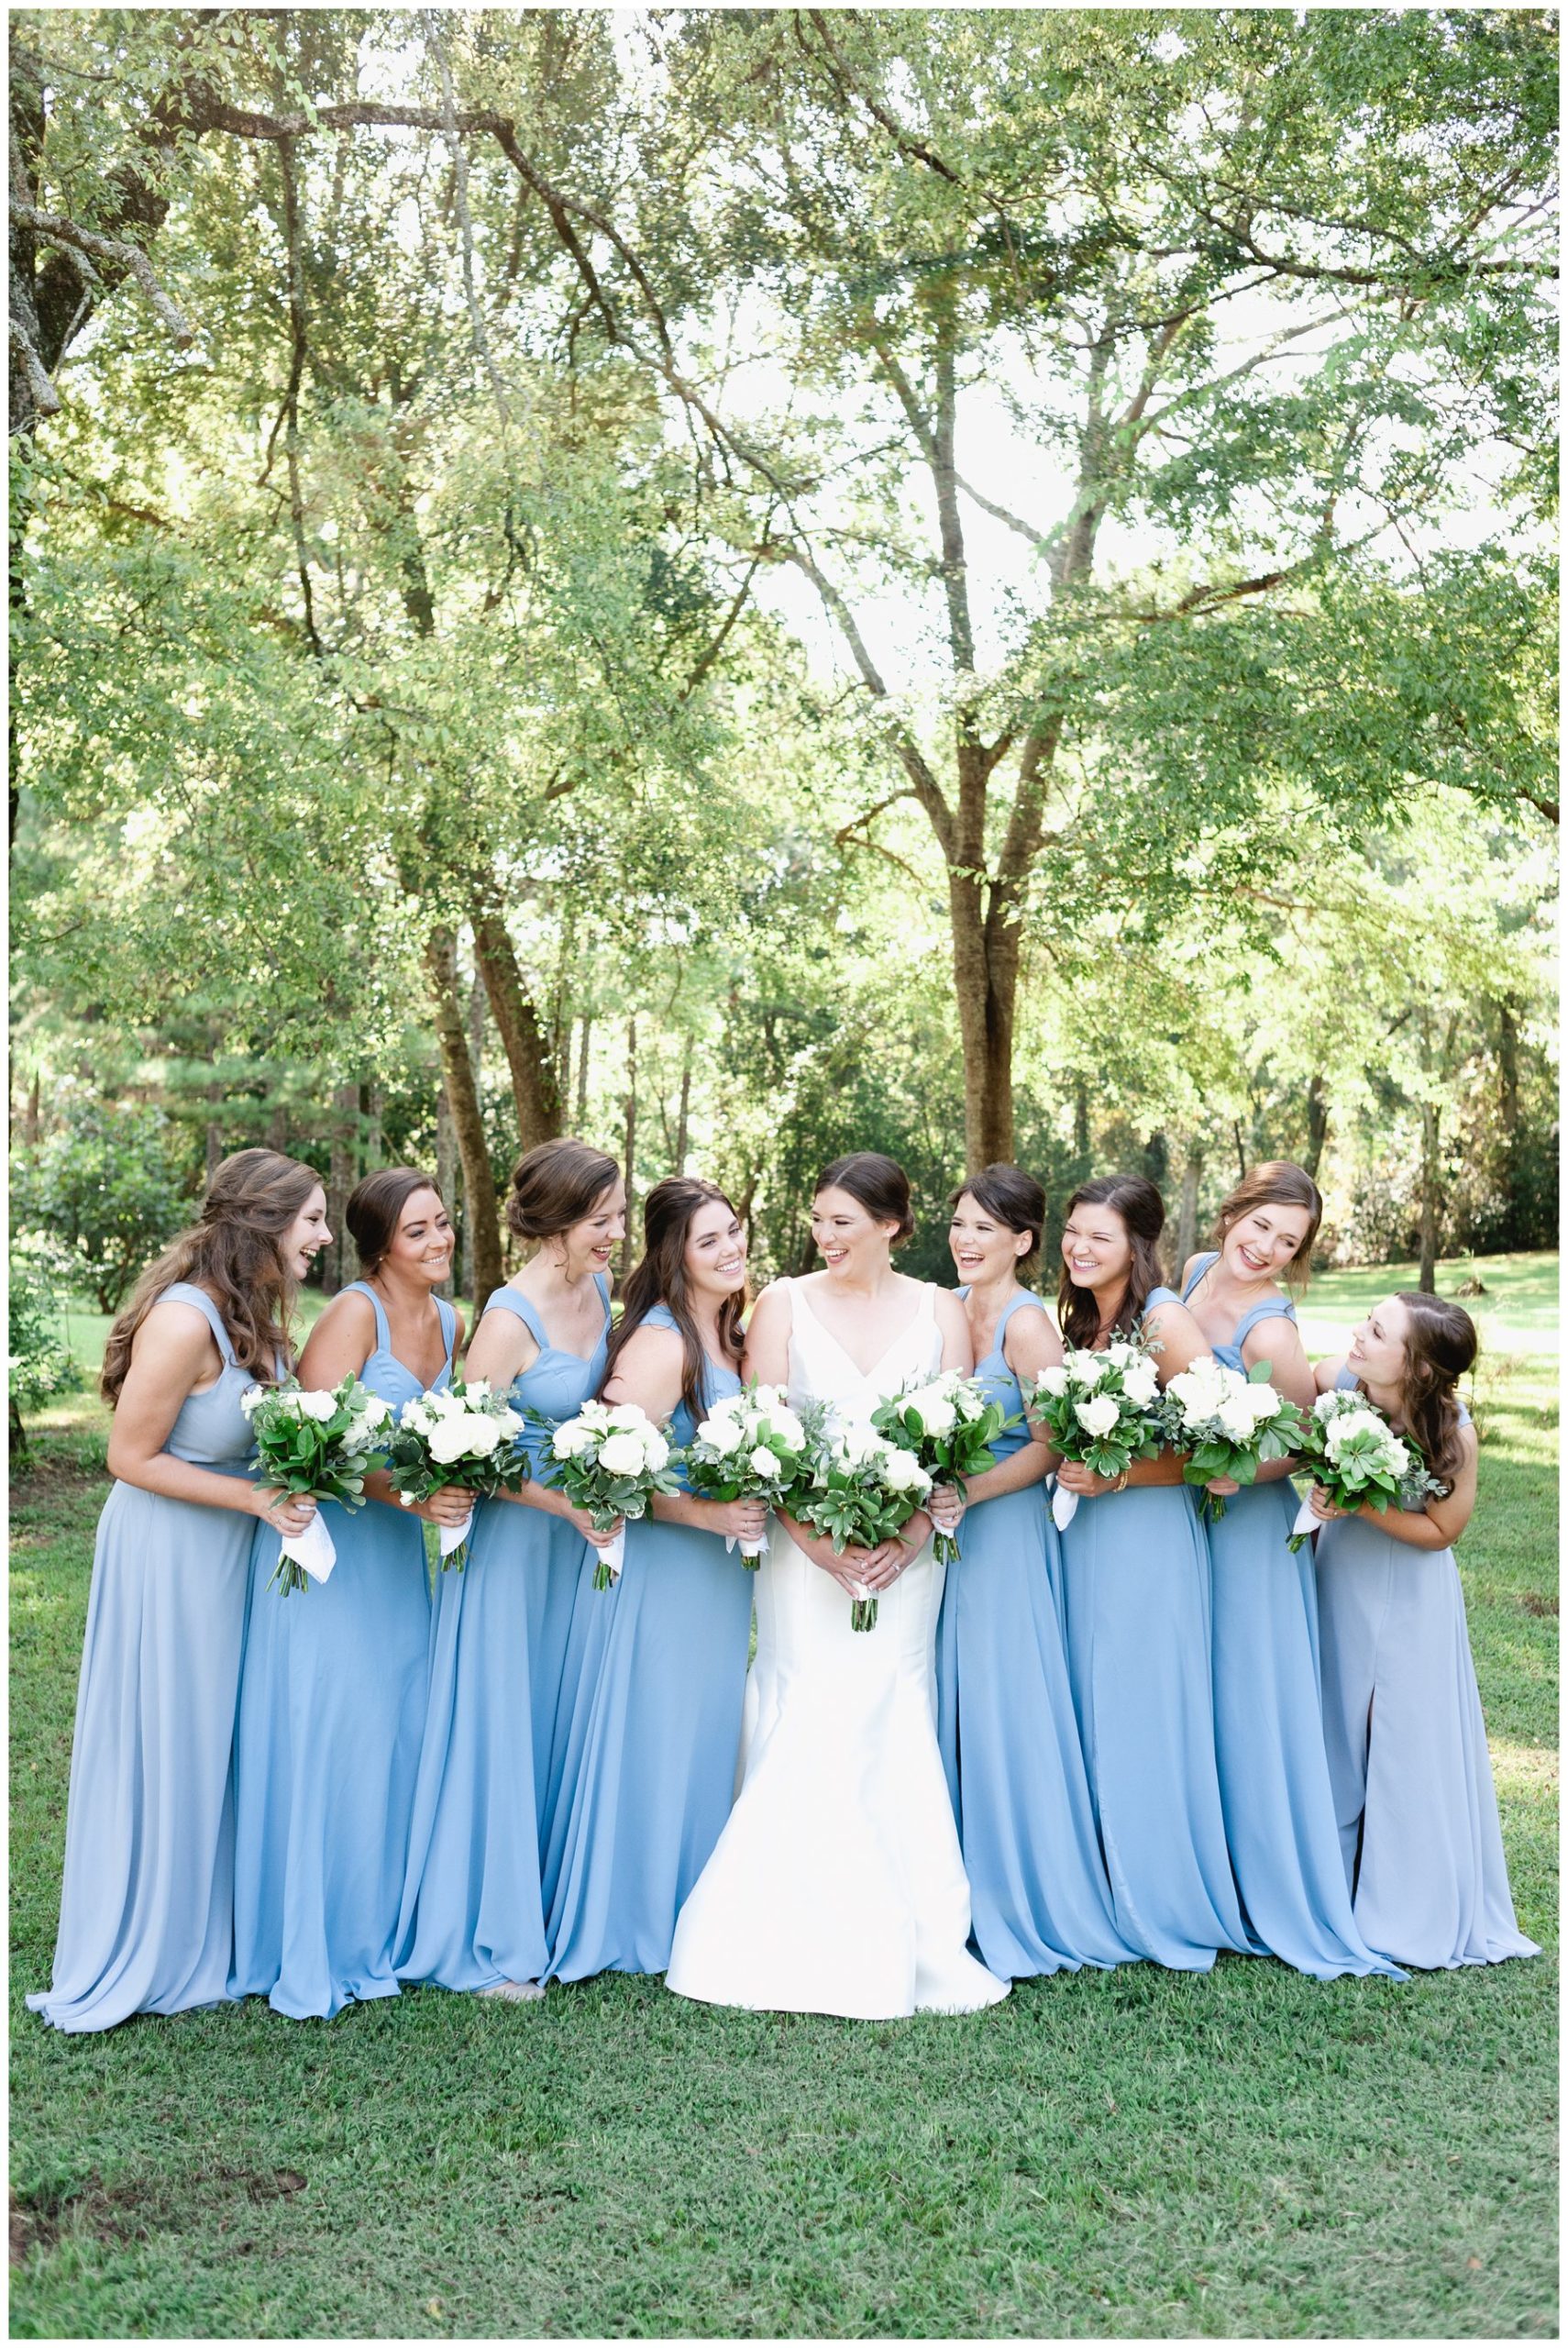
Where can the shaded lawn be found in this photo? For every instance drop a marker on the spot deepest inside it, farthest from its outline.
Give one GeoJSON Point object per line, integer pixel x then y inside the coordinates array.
{"type": "Point", "coordinates": [1141, 2153]}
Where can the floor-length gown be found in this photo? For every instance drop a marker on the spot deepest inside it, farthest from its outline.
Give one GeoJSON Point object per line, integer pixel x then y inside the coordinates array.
{"type": "Point", "coordinates": [488, 1777]}
{"type": "Point", "coordinates": [1420, 1836]}
{"type": "Point", "coordinates": [1268, 1718]}
{"type": "Point", "coordinates": [837, 1886]}
{"type": "Point", "coordinates": [1007, 1728]}
{"type": "Point", "coordinates": [331, 1716]}
{"type": "Point", "coordinates": [650, 1743]}
{"type": "Point", "coordinates": [1136, 1581]}
{"type": "Point", "coordinates": [146, 1906]}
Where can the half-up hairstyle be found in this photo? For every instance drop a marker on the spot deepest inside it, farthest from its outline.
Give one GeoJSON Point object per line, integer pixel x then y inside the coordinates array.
{"type": "Point", "coordinates": [556, 1185]}
{"type": "Point", "coordinates": [375, 1209]}
{"type": "Point", "coordinates": [235, 1253]}
{"type": "Point", "coordinates": [1276, 1183]}
{"type": "Point", "coordinates": [1011, 1198]}
{"type": "Point", "coordinates": [1442, 1345]}
{"type": "Point", "coordinates": [878, 1184]}
{"type": "Point", "coordinates": [661, 1279]}
{"type": "Point", "coordinates": [1142, 1210]}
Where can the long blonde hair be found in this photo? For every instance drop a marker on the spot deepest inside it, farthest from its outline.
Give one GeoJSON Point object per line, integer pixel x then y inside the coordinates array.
{"type": "Point", "coordinates": [232, 1253]}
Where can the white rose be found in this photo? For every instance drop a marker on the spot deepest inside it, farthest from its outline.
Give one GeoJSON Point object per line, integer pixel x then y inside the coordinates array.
{"type": "Point", "coordinates": [357, 1435]}
{"type": "Point", "coordinates": [628, 1417]}
{"type": "Point", "coordinates": [723, 1434]}
{"type": "Point", "coordinates": [448, 1442]}
{"type": "Point", "coordinates": [1085, 1368]}
{"type": "Point", "coordinates": [655, 1451]}
{"type": "Point", "coordinates": [248, 1401]}
{"type": "Point", "coordinates": [1398, 1455]}
{"type": "Point", "coordinates": [320, 1407]}
{"type": "Point", "coordinates": [1235, 1419]}
{"type": "Point", "coordinates": [1140, 1382]}
{"type": "Point", "coordinates": [763, 1462]}
{"type": "Point", "coordinates": [787, 1428]}
{"type": "Point", "coordinates": [570, 1442]}
{"type": "Point", "coordinates": [377, 1411]}
{"type": "Point", "coordinates": [620, 1454]}
{"type": "Point", "coordinates": [509, 1421]}
{"type": "Point", "coordinates": [932, 1409]}
{"type": "Point", "coordinates": [1051, 1381]}
{"type": "Point", "coordinates": [1347, 1426]}
{"type": "Point", "coordinates": [1327, 1405]}
{"type": "Point", "coordinates": [1099, 1415]}
{"type": "Point", "coordinates": [478, 1391]}
{"type": "Point", "coordinates": [483, 1436]}
{"type": "Point", "coordinates": [902, 1472]}
{"type": "Point", "coordinates": [595, 1414]}
{"type": "Point", "coordinates": [1120, 1352]}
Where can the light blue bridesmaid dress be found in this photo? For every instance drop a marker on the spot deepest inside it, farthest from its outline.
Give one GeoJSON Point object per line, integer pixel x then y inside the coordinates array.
{"type": "Point", "coordinates": [331, 1714]}
{"type": "Point", "coordinates": [489, 1774]}
{"type": "Point", "coordinates": [1412, 1778]}
{"type": "Point", "coordinates": [1135, 1580]}
{"type": "Point", "coordinates": [1009, 1735]}
{"type": "Point", "coordinates": [146, 1908]}
{"type": "Point", "coordinates": [1268, 1719]}
{"type": "Point", "coordinates": [653, 1737]}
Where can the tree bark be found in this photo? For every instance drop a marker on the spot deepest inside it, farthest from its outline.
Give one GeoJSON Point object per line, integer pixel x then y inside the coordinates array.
{"type": "Point", "coordinates": [463, 1101]}
{"type": "Point", "coordinates": [475, 1051]}
{"type": "Point", "coordinates": [1187, 1213]}
{"type": "Point", "coordinates": [446, 1171]}
{"type": "Point", "coordinates": [535, 1090]}
{"type": "Point", "coordinates": [631, 1147]}
{"type": "Point", "coordinates": [1430, 1198]}
{"type": "Point", "coordinates": [683, 1123]}
{"type": "Point", "coordinates": [340, 1180]}
{"type": "Point", "coordinates": [1317, 1126]}
{"type": "Point", "coordinates": [985, 979]}
{"type": "Point", "coordinates": [582, 1073]}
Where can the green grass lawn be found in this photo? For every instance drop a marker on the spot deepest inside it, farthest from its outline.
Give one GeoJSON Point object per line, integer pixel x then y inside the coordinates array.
{"type": "Point", "coordinates": [1136, 2154]}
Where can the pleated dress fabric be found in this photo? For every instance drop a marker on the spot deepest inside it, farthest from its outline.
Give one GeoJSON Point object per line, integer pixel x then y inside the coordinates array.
{"type": "Point", "coordinates": [1417, 1810]}
{"type": "Point", "coordinates": [1136, 1583]}
{"type": "Point", "coordinates": [489, 1774]}
{"type": "Point", "coordinates": [146, 1906]}
{"type": "Point", "coordinates": [331, 1718]}
{"type": "Point", "coordinates": [1268, 1719]}
{"type": "Point", "coordinates": [658, 1666]}
{"type": "Point", "coordinates": [1039, 1895]}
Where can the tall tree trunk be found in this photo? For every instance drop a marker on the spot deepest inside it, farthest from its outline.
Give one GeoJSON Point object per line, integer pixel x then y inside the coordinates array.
{"type": "Point", "coordinates": [984, 978]}
{"type": "Point", "coordinates": [446, 1168]}
{"type": "Point", "coordinates": [372, 1103]}
{"type": "Point", "coordinates": [33, 1125]}
{"type": "Point", "coordinates": [1187, 1213]}
{"type": "Point", "coordinates": [1081, 1127]}
{"type": "Point", "coordinates": [463, 1100]}
{"type": "Point", "coordinates": [277, 1129]}
{"type": "Point", "coordinates": [1317, 1126]}
{"type": "Point", "coordinates": [582, 1073]}
{"type": "Point", "coordinates": [1430, 1198]}
{"type": "Point", "coordinates": [522, 1031]}
{"type": "Point", "coordinates": [476, 1053]}
{"type": "Point", "coordinates": [340, 1180]}
{"type": "Point", "coordinates": [627, 1245]}
{"type": "Point", "coordinates": [683, 1123]}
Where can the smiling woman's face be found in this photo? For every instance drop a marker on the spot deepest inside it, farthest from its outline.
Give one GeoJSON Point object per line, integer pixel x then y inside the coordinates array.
{"type": "Point", "coordinates": [847, 1238]}
{"type": "Point", "coordinates": [715, 1251]}
{"type": "Point", "coordinates": [1096, 1247]}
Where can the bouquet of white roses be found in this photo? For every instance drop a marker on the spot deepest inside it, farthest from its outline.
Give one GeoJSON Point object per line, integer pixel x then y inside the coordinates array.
{"type": "Point", "coordinates": [465, 1435]}
{"type": "Point", "coordinates": [750, 1446]}
{"type": "Point", "coordinates": [949, 1426]}
{"type": "Point", "coordinates": [610, 1461]}
{"type": "Point", "coordinates": [1229, 1422]}
{"type": "Point", "coordinates": [1099, 1409]}
{"type": "Point", "coordinates": [1349, 1447]}
{"type": "Point", "coordinates": [860, 1491]}
{"type": "Point", "coordinates": [320, 1446]}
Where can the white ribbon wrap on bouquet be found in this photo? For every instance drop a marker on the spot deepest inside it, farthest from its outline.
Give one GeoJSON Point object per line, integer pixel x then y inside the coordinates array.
{"type": "Point", "coordinates": [749, 1547]}
{"type": "Point", "coordinates": [1063, 1505]}
{"type": "Point", "coordinates": [1305, 1521]}
{"type": "Point", "coordinates": [612, 1555]}
{"type": "Point", "coordinates": [454, 1535]}
{"type": "Point", "coordinates": [313, 1550]}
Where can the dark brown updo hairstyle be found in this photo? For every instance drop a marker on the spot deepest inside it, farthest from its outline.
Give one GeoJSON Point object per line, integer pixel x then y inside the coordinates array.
{"type": "Point", "coordinates": [878, 1184]}
{"type": "Point", "coordinates": [233, 1252]}
{"type": "Point", "coordinates": [556, 1185]}
{"type": "Point", "coordinates": [1440, 1346]}
{"type": "Point", "coordinates": [661, 1279]}
{"type": "Point", "coordinates": [1143, 1210]}
{"type": "Point", "coordinates": [375, 1209]}
{"type": "Point", "coordinates": [1276, 1183]}
{"type": "Point", "coordinates": [1011, 1198]}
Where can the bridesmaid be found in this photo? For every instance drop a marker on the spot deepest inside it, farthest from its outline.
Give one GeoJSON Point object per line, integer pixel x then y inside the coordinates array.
{"type": "Point", "coordinates": [331, 1695]}
{"type": "Point", "coordinates": [1009, 1739]}
{"type": "Point", "coordinates": [472, 1915]}
{"type": "Point", "coordinates": [652, 1739]}
{"type": "Point", "coordinates": [1268, 1713]}
{"type": "Point", "coordinates": [1135, 1580]}
{"type": "Point", "coordinates": [146, 1915]}
{"type": "Point", "coordinates": [1412, 1778]}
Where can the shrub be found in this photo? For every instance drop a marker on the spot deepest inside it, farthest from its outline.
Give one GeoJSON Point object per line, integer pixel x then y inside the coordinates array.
{"type": "Point", "coordinates": [112, 1183]}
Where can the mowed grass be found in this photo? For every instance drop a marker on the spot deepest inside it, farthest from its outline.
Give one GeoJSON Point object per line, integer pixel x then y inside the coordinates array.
{"type": "Point", "coordinates": [1138, 2153]}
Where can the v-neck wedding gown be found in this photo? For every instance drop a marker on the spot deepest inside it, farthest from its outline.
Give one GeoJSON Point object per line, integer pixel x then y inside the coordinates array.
{"type": "Point", "coordinates": [837, 1886]}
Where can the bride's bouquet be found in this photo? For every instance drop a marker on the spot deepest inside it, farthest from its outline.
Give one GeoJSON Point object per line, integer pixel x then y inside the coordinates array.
{"type": "Point", "coordinates": [609, 1461]}
{"type": "Point", "coordinates": [751, 1447]}
{"type": "Point", "coordinates": [463, 1435]}
{"type": "Point", "coordinates": [1349, 1447]}
{"type": "Point", "coordinates": [950, 1426]}
{"type": "Point", "coordinates": [860, 1491]}
{"type": "Point", "coordinates": [320, 1446]}
{"type": "Point", "coordinates": [1229, 1422]}
{"type": "Point", "coordinates": [1100, 1408]}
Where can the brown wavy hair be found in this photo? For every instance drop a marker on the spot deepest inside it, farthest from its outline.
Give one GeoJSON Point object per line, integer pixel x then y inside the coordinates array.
{"type": "Point", "coordinates": [1440, 1346]}
{"type": "Point", "coordinates": [1143, 1210]}
{"type": "Point", "coordinates": [1276, 1183]}
{"type": "Point", "coordinates": [232, 1253]}
{"type": "Point", "coordinates": [556, 1184]}
{"type": "Point", "coordinates": [375, 1209]}
{"type": "Point", "coordinates": [1011, 1198]}
{"type": "Point", "coordinates": [878, 1184]}
{"type": "Point", "coordinates": [661, 1279]}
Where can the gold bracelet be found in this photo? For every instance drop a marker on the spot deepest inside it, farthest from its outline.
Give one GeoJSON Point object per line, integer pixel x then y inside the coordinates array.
{"type": "Point", "coordinates": [1120, 1483]}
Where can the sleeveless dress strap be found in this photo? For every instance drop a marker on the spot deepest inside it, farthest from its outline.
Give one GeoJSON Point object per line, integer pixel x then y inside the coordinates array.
{"type": "Point", "coordinates": [187, 1292]}
{"type": "Point", "coordinates": [447, 1314]}
{"type": "Point", "coordinates": [1159, 1296]}
{"type": "Point", "coordinates": [507, 1300]}
{"type": "Point", "coordinates": [1025, 1299]}
{"type": "Point", "coordinates": [1273, 1308]}
{"type": "Point", "coordinates": [1203, 1264]}
{"type": "Point", "coordinates": [383, 1326]}
{"type": "Point", "coordinates": [601, 1282]}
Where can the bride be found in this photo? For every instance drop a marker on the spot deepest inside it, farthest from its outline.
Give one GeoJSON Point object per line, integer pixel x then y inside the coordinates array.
{"type": "Point", "coordinates": [837, 1886]}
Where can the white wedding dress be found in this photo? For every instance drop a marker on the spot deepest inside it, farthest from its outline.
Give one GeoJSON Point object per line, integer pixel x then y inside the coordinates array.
{"type": "Point", "coordinates": [837, 1886]}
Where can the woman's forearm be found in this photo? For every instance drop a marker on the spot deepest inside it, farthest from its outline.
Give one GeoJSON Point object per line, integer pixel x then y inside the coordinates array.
{"type": "Point", "coordinates": [1165, 1469]}
{"type": "Point", "coordinates": [180, 1480]}
{"type": "Point", "coordinates": [1411, 1526]}
{"type": "Point", "coordinates": [1030, 1463]}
